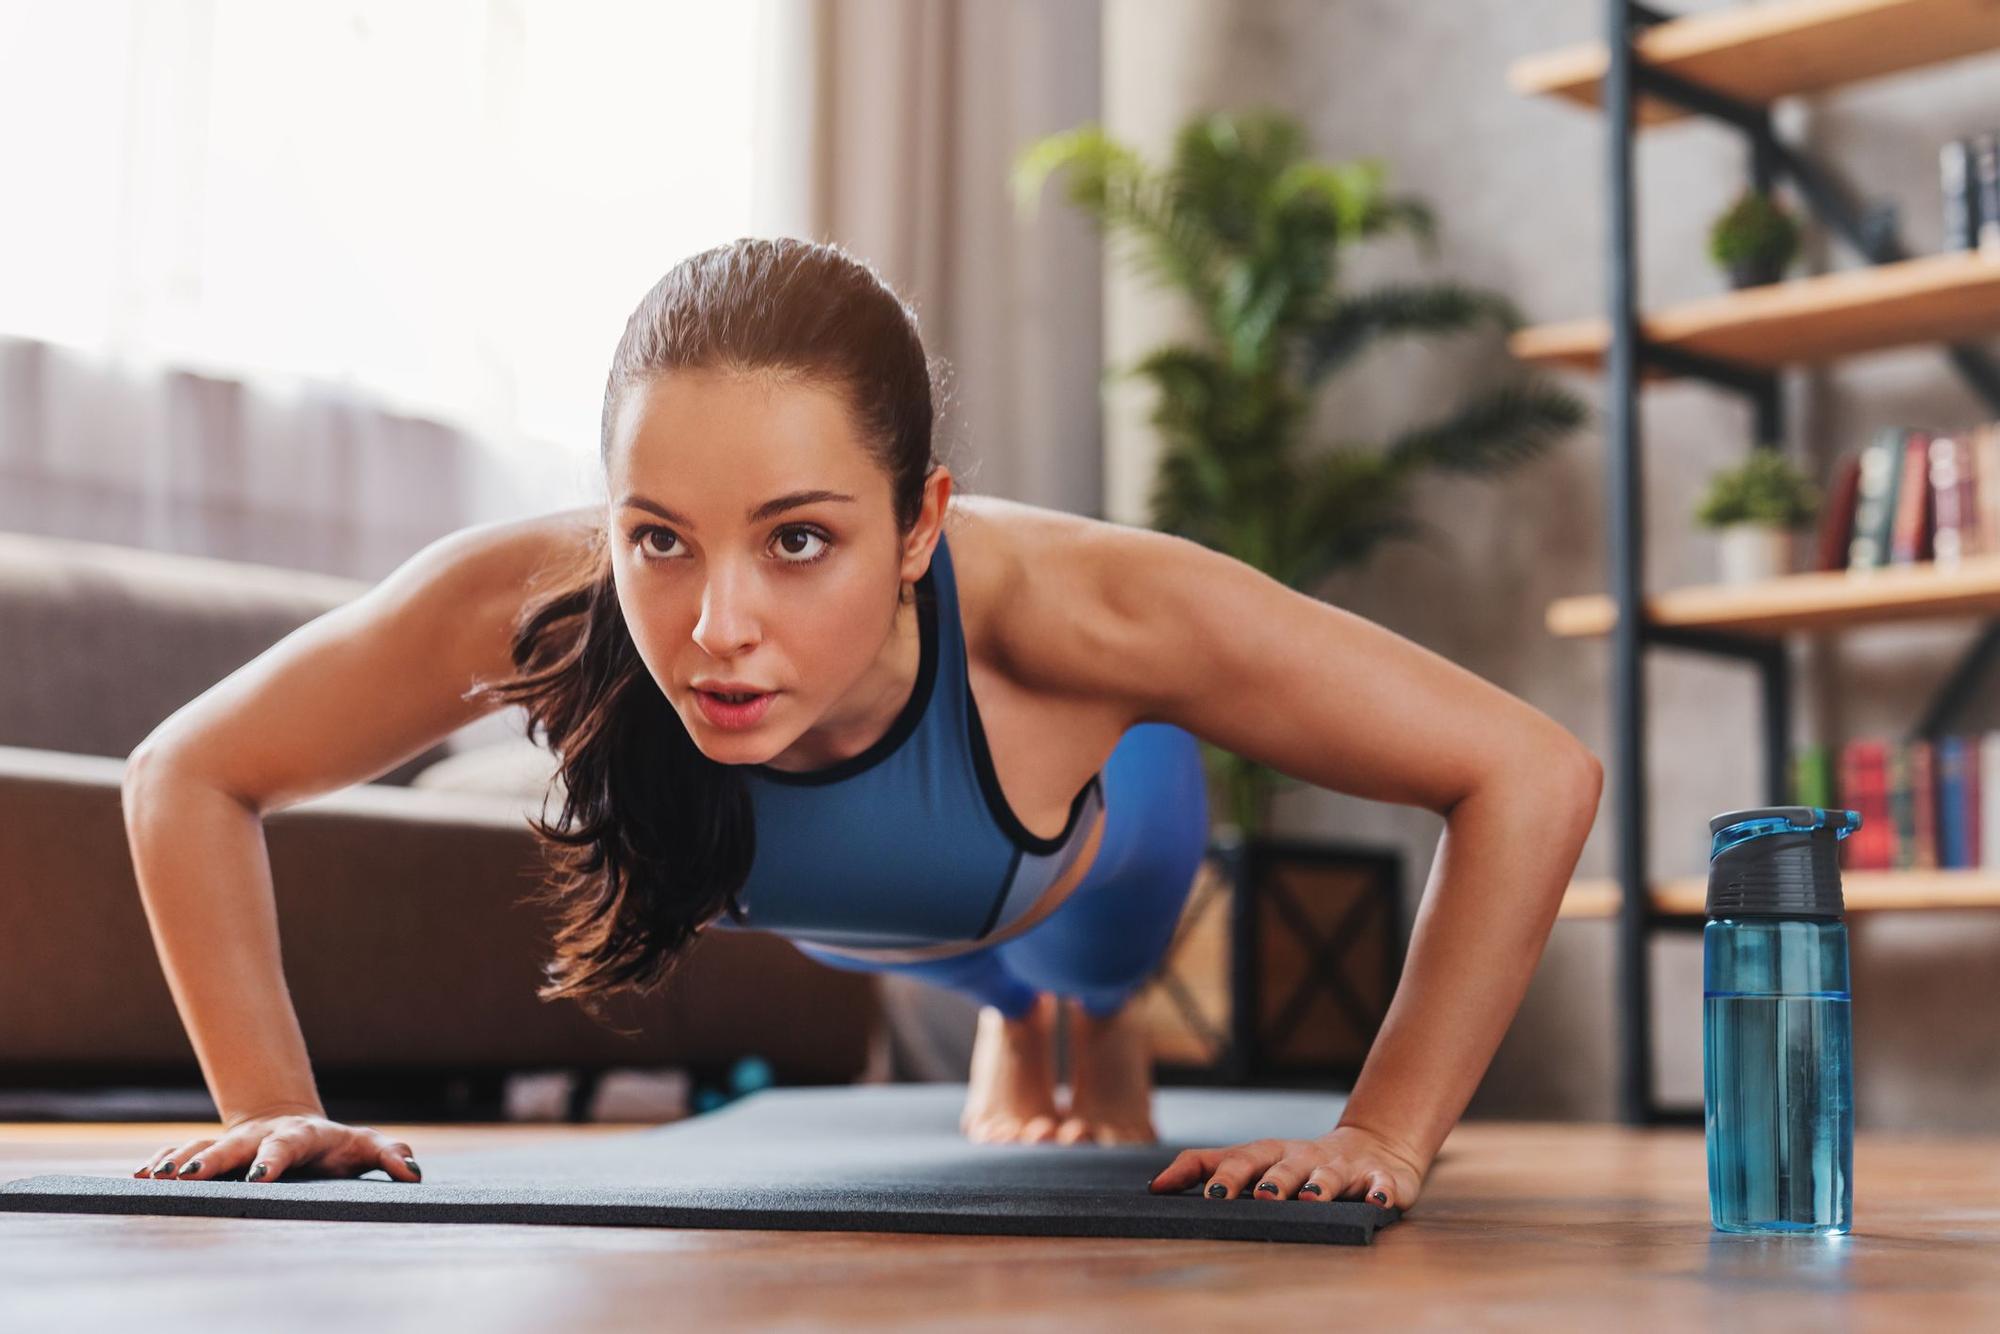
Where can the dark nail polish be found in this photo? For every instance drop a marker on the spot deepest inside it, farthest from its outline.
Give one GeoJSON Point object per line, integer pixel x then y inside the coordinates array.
{"type": "Point", "coordinates": [411, 1163]}
{"type": "Point", "coordinates": [1266, 1185]}
{"type": "Point", "coordinates": [1217, 1191]}
{"type": "Point", "coordinates": [192, 1167]}
{"type": "Point", "coordinates": [257, 1172]}
{"type": "Point", "coordinates": [1379, 1197]}
{"type": "Point", "coordinates": [165, 1169]}
{"type": "Point", "coordinates": [1312, 1186]}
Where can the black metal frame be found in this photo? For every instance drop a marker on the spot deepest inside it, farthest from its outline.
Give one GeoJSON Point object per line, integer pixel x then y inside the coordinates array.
{"type": "Point", "coordinates": [1873, 234]}
{"type": "Point", "coordinates": [1245, 866]}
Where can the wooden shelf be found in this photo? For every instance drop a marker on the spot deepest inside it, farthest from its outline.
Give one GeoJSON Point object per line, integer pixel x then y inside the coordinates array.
{"type": "Point", "coordinates": [1931, 299]}
{"type": "Point", "coordinates": [1862, 891]}
{"type": "Point", "coordinates": [1819, 601]}
{"type": "Point", "coordinates": [1760, 53]}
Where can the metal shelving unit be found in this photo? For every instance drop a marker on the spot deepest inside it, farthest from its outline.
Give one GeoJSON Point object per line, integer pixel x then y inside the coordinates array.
{"type": "Point", "coordinates": [1650, 70]}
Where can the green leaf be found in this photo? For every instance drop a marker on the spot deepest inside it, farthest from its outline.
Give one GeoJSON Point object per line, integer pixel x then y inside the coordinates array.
{"type": "Point", "coordinates": [1493, 432]}
{"type": "Point", "coordinates": [1335, 339]}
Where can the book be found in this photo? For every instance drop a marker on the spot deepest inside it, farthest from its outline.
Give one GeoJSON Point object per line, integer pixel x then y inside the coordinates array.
{"type": "Point", "coordinates": [1971, 803]}
{"type": "Point", "coordinates": [1812, 777]}
{"type": "Point", "coordinates": [1948, 478]}
{"type": "Point", "coordinates": [1909, 539]}
{"type": "Point", "coordinates": [1986, 484]}
{"type": "Point", "coordinates": [1874, 510]}
{"type": "Point", "coordinates": [1902, 820]}
{"type": "Point", "coordinates": [1921, 760]}
{"type": "Point", "coordinates": [1836, 523]}
{"type": "Point", "coordinates": [1989, 800]}
{"type": "Point", "coordinates": [1961, 203]}
{"type": "Point", "coordinates": [1986, 185]}
{"type": "Point", "coordinates": [1954, 844]}
{"type": "Point", "coordinates": [1862, 791]}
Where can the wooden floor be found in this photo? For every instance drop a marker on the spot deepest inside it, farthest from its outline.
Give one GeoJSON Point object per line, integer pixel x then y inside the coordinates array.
{"type": "Point", "coordinates": [1529, 1227]}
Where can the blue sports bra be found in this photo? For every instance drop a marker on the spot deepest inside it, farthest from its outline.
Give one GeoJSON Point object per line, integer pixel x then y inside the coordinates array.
{"type": "Point", "coordinates": [911, 842]}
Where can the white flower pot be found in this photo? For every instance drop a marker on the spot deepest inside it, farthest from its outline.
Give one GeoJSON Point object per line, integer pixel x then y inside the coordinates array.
{"type": "Point", "coordinates": [1753, 552]}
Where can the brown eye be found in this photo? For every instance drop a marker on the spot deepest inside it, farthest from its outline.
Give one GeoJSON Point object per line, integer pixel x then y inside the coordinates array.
{"type": "Point", "coordinates": [788, 538]}
{"type": "Point", "coordinates": [643, 537]}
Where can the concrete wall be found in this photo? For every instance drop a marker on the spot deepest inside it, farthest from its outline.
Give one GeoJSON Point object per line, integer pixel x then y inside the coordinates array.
{"type": "Point", "coordinates": [1517, 186]}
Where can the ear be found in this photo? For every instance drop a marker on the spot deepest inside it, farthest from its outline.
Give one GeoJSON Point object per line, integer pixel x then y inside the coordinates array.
{"type": "Point", "coordinates": [923, 536]}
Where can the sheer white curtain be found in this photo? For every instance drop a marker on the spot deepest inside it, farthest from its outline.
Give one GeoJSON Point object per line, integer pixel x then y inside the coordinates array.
{"type": "Point", "coordinates": [311, 282]}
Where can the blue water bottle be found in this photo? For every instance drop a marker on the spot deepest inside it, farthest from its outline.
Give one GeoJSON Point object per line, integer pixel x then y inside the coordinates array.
{"type": "Point", "coordinates": [1777, 1070]}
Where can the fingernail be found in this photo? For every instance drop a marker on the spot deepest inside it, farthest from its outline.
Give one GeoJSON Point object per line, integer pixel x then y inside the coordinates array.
{"type": "Point", "coordinates": [1268, 1185]}
{"type": "Point", "coordinates": [1217, 1190]}
{"type": "Point", "coordinates": [257, 1172]}
{"type": "Point", "coordinates": [1312, 1186]}
{"type": "Point", "coordinates": [192, 1167]}
{"type": "Point", "coordinates": [164, 1169]}
{"type": "Point", "coordinates": [1379, 1197]}
{"type": "Point", "coordinates": [411, 1163]}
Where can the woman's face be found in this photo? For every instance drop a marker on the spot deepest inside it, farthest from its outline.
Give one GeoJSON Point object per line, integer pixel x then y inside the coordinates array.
{"type": "Point", "coordinates": [753, 540]}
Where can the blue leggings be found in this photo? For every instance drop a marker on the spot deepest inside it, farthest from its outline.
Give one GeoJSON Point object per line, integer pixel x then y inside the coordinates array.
{"type": "Point", "coordinates": [1108, 936]}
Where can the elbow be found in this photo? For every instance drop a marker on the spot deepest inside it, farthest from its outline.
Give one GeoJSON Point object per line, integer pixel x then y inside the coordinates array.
{"type": "Point", "coordinates": [1557, 771]}
{"type": "Point", "coordinates": [140, 765]}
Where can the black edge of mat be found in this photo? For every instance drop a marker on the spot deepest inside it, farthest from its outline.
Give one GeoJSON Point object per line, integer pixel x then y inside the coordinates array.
{"type": "Point", "coordinates": [1170, 1217]}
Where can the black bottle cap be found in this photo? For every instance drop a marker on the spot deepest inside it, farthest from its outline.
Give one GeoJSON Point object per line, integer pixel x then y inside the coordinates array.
{"type": "Point", "coordinates": [1777, 861]}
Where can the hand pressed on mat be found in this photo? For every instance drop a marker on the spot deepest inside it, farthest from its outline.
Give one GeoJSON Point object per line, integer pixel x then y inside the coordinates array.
{"type": "Point", "coordinates": [1345, 1163]}
{"type": "Point", "coordinates": [263, 1148]}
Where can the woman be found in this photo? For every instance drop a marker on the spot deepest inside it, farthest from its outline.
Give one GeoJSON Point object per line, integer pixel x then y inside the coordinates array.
{"type": "Point", "coordinates": [796, 684]}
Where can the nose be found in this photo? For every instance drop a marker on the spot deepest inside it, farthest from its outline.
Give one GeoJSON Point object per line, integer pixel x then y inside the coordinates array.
{"type": "Point", "coordinates": [728, 623]}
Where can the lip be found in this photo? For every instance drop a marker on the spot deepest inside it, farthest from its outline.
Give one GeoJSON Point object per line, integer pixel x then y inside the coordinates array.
{"type": "Point", "coordinates": [732, 687]}
{"type": "Point", "coordinates": [733, 717]}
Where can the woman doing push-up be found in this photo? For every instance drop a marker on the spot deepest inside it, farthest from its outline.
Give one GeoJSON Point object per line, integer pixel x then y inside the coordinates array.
{"type": "Point", "coordinates": [795, 683]}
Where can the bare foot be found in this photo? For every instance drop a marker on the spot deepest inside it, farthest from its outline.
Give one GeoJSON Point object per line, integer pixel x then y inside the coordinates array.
{"type": "Point", "coordinates": [1011, 1095]}
{"type": "Point", "coordinates": [1111, 1080]}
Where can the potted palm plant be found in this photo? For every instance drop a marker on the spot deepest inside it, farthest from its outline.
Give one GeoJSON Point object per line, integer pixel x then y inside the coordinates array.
{"type": "Point", "coordinates": [1250, 229]}
{"type": "Point", "coordinates": [1754, 508]}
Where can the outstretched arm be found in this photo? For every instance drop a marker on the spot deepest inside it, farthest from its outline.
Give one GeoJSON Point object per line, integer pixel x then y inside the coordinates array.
{"type": "Point", "coordinates": [1203, 641]}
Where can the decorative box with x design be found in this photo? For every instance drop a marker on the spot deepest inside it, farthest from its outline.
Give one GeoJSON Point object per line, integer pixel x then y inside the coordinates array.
{"type": "Point", "coordinates": [1282, 966]}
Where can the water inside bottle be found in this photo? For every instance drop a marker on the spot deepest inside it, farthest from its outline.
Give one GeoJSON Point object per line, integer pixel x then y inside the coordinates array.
{"type": "Point", "coordinates": [1779, 1087]}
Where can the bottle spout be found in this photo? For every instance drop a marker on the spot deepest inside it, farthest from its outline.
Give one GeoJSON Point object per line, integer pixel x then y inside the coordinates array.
{"type": "Point", "coordinates": [1732, 828]}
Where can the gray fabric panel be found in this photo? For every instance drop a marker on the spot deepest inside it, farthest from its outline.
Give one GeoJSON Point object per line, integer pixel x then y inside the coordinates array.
{"type": "Point", "coordinates": [101, 642]}
{"type": "Point", "coordinates": [872, 1157]}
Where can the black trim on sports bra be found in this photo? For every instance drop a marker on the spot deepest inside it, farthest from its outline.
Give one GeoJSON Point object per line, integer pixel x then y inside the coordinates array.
{"type": "Point", "coordinates": [906, 721]}
{"type": "Point", "coordinates": [996, 800]}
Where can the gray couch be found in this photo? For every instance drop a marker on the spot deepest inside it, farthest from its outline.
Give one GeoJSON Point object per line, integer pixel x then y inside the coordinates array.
{"type": "Point", "coordinates": [98, 644]}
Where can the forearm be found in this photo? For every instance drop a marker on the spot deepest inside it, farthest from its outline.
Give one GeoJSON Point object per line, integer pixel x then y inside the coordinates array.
{"type": "Point", "coordinates": [205, 879]}
{"type": "Point", "coordinates": [1503, 863]}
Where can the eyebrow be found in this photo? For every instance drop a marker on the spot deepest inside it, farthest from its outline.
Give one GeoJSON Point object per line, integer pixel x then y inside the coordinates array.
{"type": "Point", "coordinates": [794, 500]}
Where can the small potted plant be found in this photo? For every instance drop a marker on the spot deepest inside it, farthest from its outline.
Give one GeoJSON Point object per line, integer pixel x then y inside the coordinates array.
{"type": "Point", "coordinates": [1755, 240]}
{"type": "Point", "coordinates": [1754, 509]}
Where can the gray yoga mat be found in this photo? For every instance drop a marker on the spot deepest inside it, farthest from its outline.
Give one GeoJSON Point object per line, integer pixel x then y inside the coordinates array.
{"type": "Point", "coordinates": [864, 1157]}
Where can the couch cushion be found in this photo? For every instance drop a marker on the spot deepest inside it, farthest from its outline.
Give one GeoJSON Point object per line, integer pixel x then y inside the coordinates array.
{"type": "Point", "coordinates": [103, 642]}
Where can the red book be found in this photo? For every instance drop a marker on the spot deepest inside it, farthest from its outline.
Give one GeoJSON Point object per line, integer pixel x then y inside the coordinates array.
{"type": "Point", "coordinates": [1836, 525]}
{"type": "Point", "coordinates": [1862, 791]}
{"type": "Point", "coordinates": [1909, 539]}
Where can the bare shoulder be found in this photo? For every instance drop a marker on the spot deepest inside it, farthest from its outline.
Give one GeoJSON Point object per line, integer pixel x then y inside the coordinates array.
{"type": "Point", "coordinates": [487, 573]}
{"type": "Point", "coordinates": [1055, 598]}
